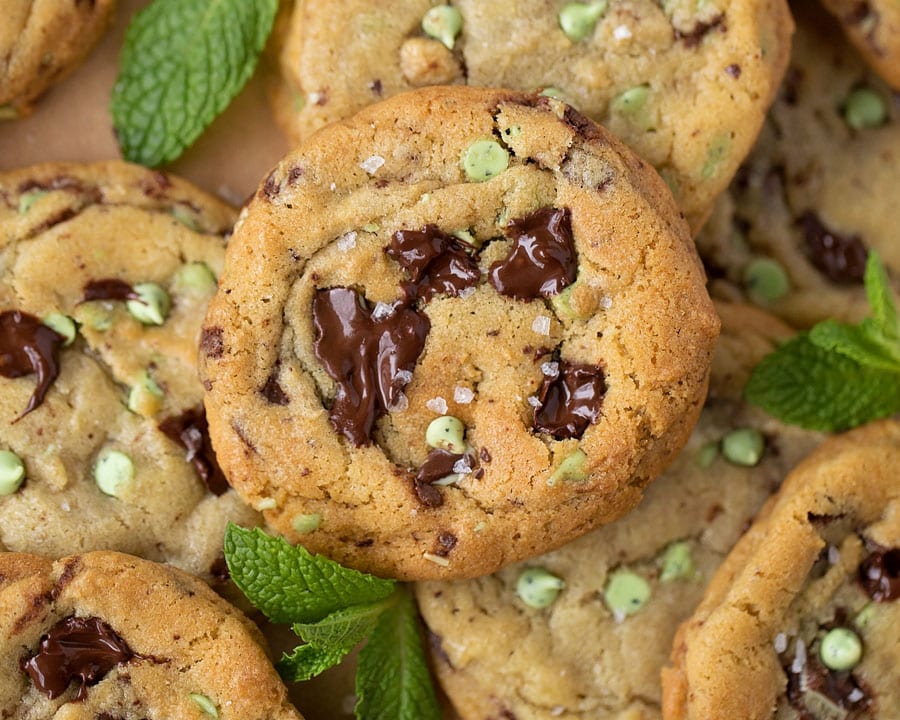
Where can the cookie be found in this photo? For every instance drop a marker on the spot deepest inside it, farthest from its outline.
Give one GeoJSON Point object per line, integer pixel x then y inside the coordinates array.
{"type": "Point", "coordinates": [684, 84]}
{"type": "Point", "coordinates": [459, 329]}
{"type": "Point", "coordinates": [818, 191]}
{"type": "Point", "coordinates": [593, 643]}
{"type": "Point", "coordinates": [108, 635]}
{"type": "Point", "coordinates": [43, 41]}
{"type": "Point", "coordinates": [801, 620]}
{"type": "Point", "coordinates": [874, 29]}
{"type": "Point", "coordinates": [105, 273]}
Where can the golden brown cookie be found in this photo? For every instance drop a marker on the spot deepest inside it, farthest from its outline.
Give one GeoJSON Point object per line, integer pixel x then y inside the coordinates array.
{"type": "Point", "coordinates": [457, 330]}
{"type": "Point", "coordinates": [684, 84]}
{"type": "Point", "coordinates": [105, 273]}
{"type": "Point", "coordinates": [873, 26]}
{"type": "Point", "coordinates": [802, 618]}
{"type": "Point", "coordinates": [107, 635]}
{"type": "Point", "coordinates": [41, 42]}
{"type": "Point", "coordinates": [584, 631]}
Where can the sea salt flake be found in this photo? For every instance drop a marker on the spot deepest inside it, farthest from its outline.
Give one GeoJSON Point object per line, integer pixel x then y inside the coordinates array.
{"type": "Point", "coordinates": [834, 555]}
{"type": "Point", "coordinates": [400, 404]}
{"type": "Point", "coordinates": [404, 376]}
{"type": "Point", "coordinates": [780, 643]}
{"type": "Point", "coordinates": [371, 164]}
{"type": "Point", "coordinates": [541, 325]}
{"type": "Point", "coordinates": [550, 369]}
{"type": "Point", "coordinates": [438, 405]}
{"type": "Point", "coordinates": [347, 241]}
{"type": "Point", "coordinates": [622, 32]}
{"type": "Point", "coordinates": [799, 657]}
{"type": "Point", "coordinates": [855, 695]}
{"type": "Point", "coordinates": [533, 401]}
{"type": "Point", "coordinates": [463, 466]}
{"type": "Point", "coordinates": [466, 292]}
{"type": "Point", "coordinates": [382, 310]}
{"type": "Point", "coordinates": [606, 302]}
{"type": "Point", "coordinates": [463, 395]}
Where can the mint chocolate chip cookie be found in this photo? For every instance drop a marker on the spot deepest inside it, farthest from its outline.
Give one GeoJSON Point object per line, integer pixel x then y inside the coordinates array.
{"type": "Point", "coordinates": [801, 619]}
{"type": "Point", "coordinates": [43, 41]}
{"type": "Point", "coordinates": [108, 635]}
{"type": "Point", "coordinates": [584, 631]}
{"type": "Point", "coordinates": [873, 26]}
{"type": "Point", "coordinates": [818, 191]}
{"type": "Point", "coordinates": [486, 259]}
{"type": "Point", "coordinates": [685, 84]}
{"type": "Point", "coordinates": [105, 274]}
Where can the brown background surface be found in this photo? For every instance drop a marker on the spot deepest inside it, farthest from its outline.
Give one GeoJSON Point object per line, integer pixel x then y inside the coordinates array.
{"type": "Point", "coordinates": [72, 123]}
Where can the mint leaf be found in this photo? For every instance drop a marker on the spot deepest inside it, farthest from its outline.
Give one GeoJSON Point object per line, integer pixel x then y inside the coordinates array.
{"type": "Point", "coordinates": [881, 300]}
{"type": "Point", "coordinates": [182, 63]}
{"type": "Point", "coordinates": [330, 639]}
{"type": "Point", "coordinates": [805, 384]}
{"type": "Point", "coordinates": [392, 679]}
{"type": "Point", "coordinates": [863, 343]}
{"type": "Point", "coordinates": [289, 584]}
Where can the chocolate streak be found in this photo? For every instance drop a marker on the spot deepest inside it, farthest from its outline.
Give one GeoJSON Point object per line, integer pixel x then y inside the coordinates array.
{"type": "Point", "coordinates": [436, 262]}
{"type": "Point", "coordinates": [542, 260]}
{"type": "Point", "coordinates": [28, 346]}
{"type": "Point", "coordinates": [365, 356]}
{"type": "Point", "coordinates": [80, 649]}
{"type": "Point", "coordinates": [570, 401]}
{"type": "Point", "coordinates": [191, 431]}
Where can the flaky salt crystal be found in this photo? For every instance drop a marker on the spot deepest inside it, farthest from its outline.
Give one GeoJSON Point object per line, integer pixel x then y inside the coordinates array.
{"type": "Point", "coordinates": [347, 241]}
{"type": "Point", "coordinates": [541, 325]}
{"type": "Point", "coordinates": [371, 164]}
{"type": "Point", "coordinates": [438, 405]}
{"type": "Point", "coordinates": [463, 395]}
{"type": "Point", "coordinates": [622, 32]}
{"type": "Point", "coordinates": [550, 369]}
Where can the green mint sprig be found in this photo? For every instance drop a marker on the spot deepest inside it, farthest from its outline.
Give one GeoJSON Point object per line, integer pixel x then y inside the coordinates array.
{"type": "Point", "coordinates": [332, 609]}
{"type": "Point", "coordinates": [837, 375]}
{"type": "Point", "coordinates": [182, 63]}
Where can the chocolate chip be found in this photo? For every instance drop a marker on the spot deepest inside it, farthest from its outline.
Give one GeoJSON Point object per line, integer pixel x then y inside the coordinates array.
{"type": "Point", "coordinates": [108, 289]}
{"type": "Point", "coordinates": [191, 431]}
{"type": "Point", "coordinates": [369, 358]}
{"type": "Point", "coordinates": [484, 455]}
{"type": "Point", "coordinates": [841, 258]}
{"type": "Point", "coordinates": [584, 126]}
{"type": "Point", "coordinates": [695, 35]}
{"type": "Point", "coordinates": [879, 573]}
{"type": "Point", "coordinates": [211, 343]}
{"type": "Point", "coordinates": [80, 649]}
{"type": "Point", "coordinates": [428, 495]}
{"type": "Point", "coordinates": [273, 392]}
{"type": "Point", "coordinates": [436, 262]}
{"type": "Point", "coordinates": [569, 402]}
{"type": "Point", "coordinates": [270, 187]}
{"type": "Point", "coordinates": [375, 87]}
{"type": "Point", "coordinates": [28, 346]}
{"type": "Point", "coordinates": [734, 70]}
{"type": "Point", "coordinates": [439, 464]}
{"type": "Point", "coordinates": [446, 541]}
{"type": "Point", "coordinates": [542, 260]}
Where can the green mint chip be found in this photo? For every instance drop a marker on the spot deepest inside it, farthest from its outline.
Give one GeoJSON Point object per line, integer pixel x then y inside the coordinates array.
{"type": "Point", "coordinates": [392, 680]}
{"type": "Point", "coordinates": [289, 584]}
{"type": "Point", "coordinates": [183, 61]}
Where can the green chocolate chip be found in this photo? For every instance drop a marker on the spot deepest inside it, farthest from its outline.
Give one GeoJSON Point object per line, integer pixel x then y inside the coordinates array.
{"type": "Point", "coordinates": [841, 649]}
{"type": "Point", "coordinates": [28, 199]}
{"type": "Point", "coordinates": [152, 306]}
{"type": "Point", "coordinates": [205, 704]}
{"type": "Point", "coordinates": [145, 396]}
{"type": "Point", "coordinates": [865, 108]}
{"type": "Point", "coordinates": [113, 472]}
{"type": "Point", "coordinates": [571, 469]}
{"type": "Point", "coordinates": [446, 433]}
{"type": "Point", "coordinates": [577, 20]}
{"type": "Point", "coordinates": [626, 593]}
{"type": "Point", "coordinates": [484, 159]}
{"type": "Point", "coordinates": [632, 100]}
{"type": "Point", "coordinates": [185, 217]}
{"type": "Point", "coordinates": [677, 562]}
{"type": "Point", "coordinates": [12, 472]}
{"type": "Point", "coordinates": [196, 278]}
{"type": "Point", "coordinates": [864, 616]}
{"type": "Point", "coordinates": [554, 92]}
{"type": "Point", "coordinates": [444, 23]}
{"type": "Point", "coordinates": [766, 280]}
{"type": "Point", "coordinates": [744, 447]}
{"type": "Point", "coordinates": [716, 153]}
{"type": "Point", "coordinates": [62, 324]}
{"type": "Point", "coordinates": [372, 227]}
{"type": "Point", "coordinates": [538, 588]}
{"type": "Point", "coordinates": [467, 237]}
{"type": "Point", "coordinates": [307, 523]}
{"type": "Point", "coordinates": [707, 455]}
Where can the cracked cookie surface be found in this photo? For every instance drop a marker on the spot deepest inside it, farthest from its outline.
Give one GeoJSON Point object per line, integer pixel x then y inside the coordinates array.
{"type": "Point", "coordinates": [587, 654]}
{"type": "Point", "coordinates": [101, 423]}
{"type": "Point", "coordinates": [374, 238]}
{"type": "Point", "coordinates": [108, 635]}
{"type": "Point", "coordinates": [684, 84]}
{"type": "Point", "coordinates": [818, 191]}
{"type": "Point", "coordinates": [801, 619]}
{"type": "Point", "coordinates": [41, 42]}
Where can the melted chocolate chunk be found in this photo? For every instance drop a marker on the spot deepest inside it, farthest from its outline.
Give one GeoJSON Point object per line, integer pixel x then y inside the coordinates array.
{"type": "Point", "coordinates": [569, 402]}
{"type": "Point", "coordinates": [542, 260]}
{"type": "Point", "coordinates": [439, 464]}
{"type": "Point", "coordinates": [436, 262]}
{"type": "Point", "coordinates": [840, 258]}
{"type": "Point", "coordinates": [28, 346]}
{"type": "Point", "coordinates": [695, 35]}
{"type": "Point", "coordinates": [840, 688]}
{"type": "Point", "coordinates": [79, 649]}
{"type": "Point", "coordinates": [879, 573]}
{"type": "Point", "coordinates": [191, 431]}
{"type": "Point", "coordinates": [428, 495]}
{"type": "Point", "coordinates": [108, 289]}
{"type": "Point", "coordinates": [369, 358]}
